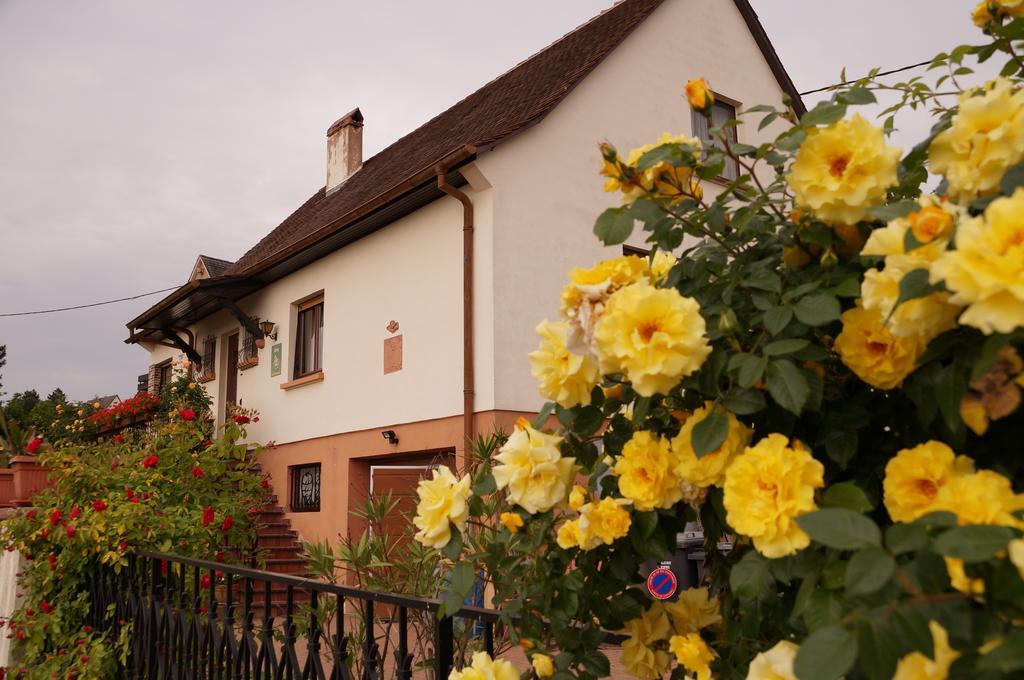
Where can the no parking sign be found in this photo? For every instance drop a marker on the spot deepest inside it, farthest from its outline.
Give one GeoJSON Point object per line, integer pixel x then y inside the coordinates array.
{"type": "Point", "coordinates": [661, 583]}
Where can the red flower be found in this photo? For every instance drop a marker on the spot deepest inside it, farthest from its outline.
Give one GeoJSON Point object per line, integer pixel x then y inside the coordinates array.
{"type": "Point", "coordinates": [45, 533]}
{"type": "Point", "coordinates": [163, 567]}
{"type": "Point", "coordinates": [123, 545]}
{"type": "Point", "coordinates": [133, 499]}
{"type": "Point", "coordinates": [86, 629]}
{"type": "Point", "coordinates": [219, 557]}
{"type": "Point", "coordinates": [204, 581]}
{"type": "Point", "coordinates": [114, 463]}
{"type": "Point", "coordinates": [187, 414]}
{"type": "Point", "coordinates": [150, 461]}
{"type": "Point", "coordinates": [241, 419]}
{"type": "Point", "coordinates": [19, 634]}
{"type": "Point", "coordinates": [45, 607]}
{"type": "Point", "coordinates": [70, 531]}
{"type": "Point", "coordinates": [99, 505]}
{"type": "Point", "coordinates": [197, 472]}
{"type": "Point", "coordinates": [85, 659]}
{"type": "Point", "coordinates": [52, 559]}
{"type": "Point", "coordinates": [119, 438]}
{"type": "Point", "coordinates": [207, 444]}
{"type": "Point", "coordinates": [34, 445]}
{"type": "Point", "coordinates": [130, 492]}
{"type": "Point", "coordinates": [228, 522]}
{"type": "Point", "coordinates": [265, 482]}
{"type": "Point", "coordinates": [31, 514]}
{"type": "Point", "coordinates": [207, 516]}
{"type": "Point", "coordinates": [55, 517]}
{"type": "Point", "coordinates": [76, 512]}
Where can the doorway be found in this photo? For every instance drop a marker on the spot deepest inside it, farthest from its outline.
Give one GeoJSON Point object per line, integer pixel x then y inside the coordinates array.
{"type": "Point", "coordinates": [231, 375]}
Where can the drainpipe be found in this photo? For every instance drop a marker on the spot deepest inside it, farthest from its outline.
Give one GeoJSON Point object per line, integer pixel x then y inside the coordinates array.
{"type": "Point", "coordinates": [467, 302]}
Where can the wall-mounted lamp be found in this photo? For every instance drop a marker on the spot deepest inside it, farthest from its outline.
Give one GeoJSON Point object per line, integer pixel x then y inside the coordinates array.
{"type": "Point", "coordinates": [390, 436]}
{"type": "Point", "coordinates": [269, 329]}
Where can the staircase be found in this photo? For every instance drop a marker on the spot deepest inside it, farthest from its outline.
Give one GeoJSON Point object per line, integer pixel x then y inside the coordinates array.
{"type": "Point", "coordinates": [279, 551]}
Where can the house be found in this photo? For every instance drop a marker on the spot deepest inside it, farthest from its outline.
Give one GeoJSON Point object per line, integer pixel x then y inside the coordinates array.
{"type": "Point", "coordinates": [389, 318]}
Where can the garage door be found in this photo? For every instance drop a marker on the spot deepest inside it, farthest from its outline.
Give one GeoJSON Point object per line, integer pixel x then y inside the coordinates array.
{"type": "Point", "coordinates": [400, 481]}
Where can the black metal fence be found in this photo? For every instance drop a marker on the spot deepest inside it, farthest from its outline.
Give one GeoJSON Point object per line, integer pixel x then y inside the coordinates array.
{"type": "Point", "coordinates": [191, 618]}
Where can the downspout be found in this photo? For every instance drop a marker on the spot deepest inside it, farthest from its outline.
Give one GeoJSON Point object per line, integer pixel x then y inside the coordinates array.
{"type": "Point", "coordinates": [467, 303]}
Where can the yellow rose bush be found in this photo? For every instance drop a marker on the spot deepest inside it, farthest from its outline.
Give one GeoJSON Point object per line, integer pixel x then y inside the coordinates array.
{"type": "Point", "coordinates": [811, 386]}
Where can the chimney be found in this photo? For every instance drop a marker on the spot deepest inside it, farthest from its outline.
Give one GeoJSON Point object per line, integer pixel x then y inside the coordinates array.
{"type": "Point", "coordinates": [344, 148]}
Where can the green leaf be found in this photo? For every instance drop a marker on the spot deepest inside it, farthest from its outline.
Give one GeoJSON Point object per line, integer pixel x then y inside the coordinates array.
{"type": "Point", "coordinates": [787, 385]}
{"type": "Point", "coordinates": [588, 421]}
{"type": "Point", "coordinates": [673, 154]}
{"type": "Point", "coordinates": [453, 549]}
{"type": "Point", "coordinates": [763, 280]}
{"type": "Point", "coordinates": [887, 213]}
{"type": "Point", "coordinates": [1013, 178]}
{"type": "Point", "coordinates": [646, 523]}
{"type": "Point", "coordinates": [1007, 657]}
{"type": "Point", "coordinates": [904, 538]}
{"type": "Point", "coordinates": [987, 358]}
{"type": "Point", "coordinates": [857, 95]}
{"type": "Point", "coordinates": [462, 581]}
{"type": "Point", "coordinates": [825, 113]}
{"type": "Point", "coordinates": [841, 528]}
{"type": "Point", "coordinates": [827, 653]}
{"type": "Point", "coordinates": [748, 367]}
{"type": "Point", "coordinates": [782, 347]}
{"type": "Point", "coordinates": [824, 607]}
{"type": "Point", "coordinates": [939, 518]}
{"type": "Point", "coordinates": [913, 285]}
{"type": "Point", "coordinates": [614, 226]}
{"type": "Point", "coordinates": [869, 570]}
{"type": "Point", "coordinates": [542, 417]}
{"type": "Point", "coordinates": [744, 402]}
{"type": "Point", "coordinates": [777, 318]}
{"type": "Point", "coordinates": [877, 649]}
{"type": "Point", "coordinates": [708, 434]}
{"type": "Point", "coordinates": [846, 495]}
{"type": "Point", "coordinates": [485, 485]}
{"type": "Point", "coordinates": [751, 577]}
{"type": "Point", "coordinates": [817, 309]}
{"type": "Point", "coordinates": [841, 445]}
{"type": "Point", "coordinates": [973, 543]}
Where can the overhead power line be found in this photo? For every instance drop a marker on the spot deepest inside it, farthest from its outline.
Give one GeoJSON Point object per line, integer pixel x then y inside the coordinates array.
{"type": "Point", "coordinates": [91, 304]}
{"type": "Point", "coordinates": [877, 75]}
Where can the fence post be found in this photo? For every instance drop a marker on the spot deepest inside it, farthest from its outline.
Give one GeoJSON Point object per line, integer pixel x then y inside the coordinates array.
{"type": "Point", "coordinates": [444, 646]}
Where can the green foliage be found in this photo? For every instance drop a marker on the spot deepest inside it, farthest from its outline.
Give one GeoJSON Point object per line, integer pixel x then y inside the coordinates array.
{"type": "Point", "coordinates": [171, 490]}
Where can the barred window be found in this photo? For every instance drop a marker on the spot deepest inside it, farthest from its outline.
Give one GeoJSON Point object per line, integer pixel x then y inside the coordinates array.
{"type": "Point", "coordinates": [248, 353]}
{"type": "Point", "coordinates": [304, 487]}
{"type": "Point", "coordinates": [207, 367]}
{"type": "Point", "coordinates": [721, 113]}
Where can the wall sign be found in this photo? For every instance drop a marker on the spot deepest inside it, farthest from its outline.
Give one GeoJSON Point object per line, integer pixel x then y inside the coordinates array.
{"type": "Point", "coordinates": [661, 583]}
{"type": "Point", "coordinates": [275, 360]}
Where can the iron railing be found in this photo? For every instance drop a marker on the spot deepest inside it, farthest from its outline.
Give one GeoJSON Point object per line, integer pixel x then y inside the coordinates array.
{"type": "Point", "coordinates": [192, 618]}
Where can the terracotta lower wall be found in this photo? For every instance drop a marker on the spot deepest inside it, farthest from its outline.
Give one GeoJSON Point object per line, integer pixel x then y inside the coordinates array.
{"type": "Point", "coordinates": [345, 461]}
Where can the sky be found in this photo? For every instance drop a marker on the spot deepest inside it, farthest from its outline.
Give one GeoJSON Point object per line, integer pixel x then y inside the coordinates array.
{"type": "Point", "coordinates": [136, 135]}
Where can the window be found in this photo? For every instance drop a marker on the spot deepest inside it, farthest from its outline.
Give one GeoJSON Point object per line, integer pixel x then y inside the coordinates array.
{"type": "Point", "coordinates": [309, 338]}
{"type": "Point", "coordinates": [164, 376]}
{"type": "Point", "coordinates": [639, 252]}
{"type": "Point", "coordinates": [248, 353]}
{"type": "Point", "coordinates": [304, 487]}
{"type": "Point", "coordinates": [207, 367]}
{"type": "Point", "coordinates": [721, 112]}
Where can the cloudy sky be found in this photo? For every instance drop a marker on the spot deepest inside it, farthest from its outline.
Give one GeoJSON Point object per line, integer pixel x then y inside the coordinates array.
{"type": "Point", "coordinates": [134, 135]}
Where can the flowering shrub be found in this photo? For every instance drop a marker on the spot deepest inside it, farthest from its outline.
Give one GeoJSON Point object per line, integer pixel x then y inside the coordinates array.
{"type": "Point", "coordinates": [172, 491]}
{"type": "Point", "coordinates": [141, 405]}
{"type": "Point", "coordinates": [827, 379]}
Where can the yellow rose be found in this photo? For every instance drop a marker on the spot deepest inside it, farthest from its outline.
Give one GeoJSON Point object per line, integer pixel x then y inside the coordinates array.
{"type": "Point", "coordinates": [542, 665]}
{"type": "Point", "coordinates": [638, 656]}
{"type": "Point", "coordinates": [842, 170]}
{"type": "Point", "coordinates": [1016, 554]}
{"type": "Point", "coordinates": [653, 336]}
{"type": "Point", "coordinates": [564, 377]}
{"type": "Point", "coordinates": [958, 578]}
{"type": "Point", "coordinates": [584, 297]}
{"type": "Point", "coordinates": [661, 264]}
{"type": "Point", "coordinates": [693, 611]}
{"type": "Point", "coordinates": [932, 226]}
{"type": "Point", "coordinates": [602, 522]}
{"type": "Point", "coordinates": [914, 477]}
{"type": "Point", "coordinates": [577, 497]}
{"type": "Point", "coordinates": [569, 535]}
{"type": "Point", "coordinates": [486, 668]}
{"type": "Point", "coordinates": [923, 317]}
{"type": "Point", "coordinates": [710, 468]}
{"type": "Point", "coordinates": [766, 488]}
{"type": "Point", "coordinates": [699, 95]}
{"type": "Point", "coordinates": [987, 10]}
{"type": "Point", "coordinates": [774, 664]}
{"type": "Point", "coordinates": [513, 521]}
{"type": "Point", "coordinates": [693, 654]}
{"type": "Point", "coordinates": [873, 353]}
{"type": "Point", "coordinates": [917, 666]}
{"type": "Point", "coordinates": [645, 471]}
{"type": "Point", "coordinates": [667, 181]}
{"type": "Point", "coordinates": [986, 139]}
{"type": "Point", "coordinates": [533, 470]}
{"type": "Point", "coordinates": [986, 271]}
{"type": "Point", "coordinates": [443, 501]}
{"type": "Point", "coordinates": [983, 497]}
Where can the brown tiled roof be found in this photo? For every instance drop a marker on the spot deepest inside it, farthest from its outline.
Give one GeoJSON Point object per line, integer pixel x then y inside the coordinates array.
{"type": "Point", "coordinates": [507, 105]}
{"type": "Point", "coordinates": [498, 110]}
{"type": "Point", "coordinates": [214, 265]}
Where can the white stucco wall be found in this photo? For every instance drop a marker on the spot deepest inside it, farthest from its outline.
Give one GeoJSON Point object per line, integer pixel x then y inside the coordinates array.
{"type": "Point", "coordinates": [547, 191]}
{"type": "Point", "coordinates": [410, 272]}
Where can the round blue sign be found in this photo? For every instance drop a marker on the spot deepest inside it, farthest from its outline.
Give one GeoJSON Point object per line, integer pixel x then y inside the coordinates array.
{"type": "Point", "coordinates": [661, 583]}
